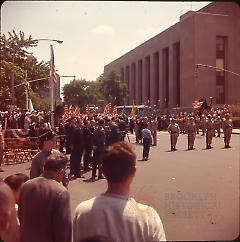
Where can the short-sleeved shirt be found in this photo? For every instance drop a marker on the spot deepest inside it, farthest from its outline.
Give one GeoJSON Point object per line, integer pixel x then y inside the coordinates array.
{"type": "Point", "coordinates": [146, 134]}
{"type": "Point", "coordinates": [118, 218]}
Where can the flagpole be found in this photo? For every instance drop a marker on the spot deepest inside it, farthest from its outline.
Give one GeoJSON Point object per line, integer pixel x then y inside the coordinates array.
{"type": "Point", "coordinates": [51, 88]}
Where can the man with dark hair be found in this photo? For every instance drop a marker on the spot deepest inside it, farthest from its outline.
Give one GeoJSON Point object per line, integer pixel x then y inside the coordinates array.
{"type": "Point", "coordinates": [147, 140]}
{"type": "Point", "coordinates": [15, 182]}
{"type": "Point", "coordinates": [47, 146]}
{"type": "Point", "coordinates": [99, 144]}
{"type": "Point", "coordinates": [114, 214]}
{"type": "Point", "coordinates": [77, 149]}
{"type": "Point", "coordinates": [44, 206]}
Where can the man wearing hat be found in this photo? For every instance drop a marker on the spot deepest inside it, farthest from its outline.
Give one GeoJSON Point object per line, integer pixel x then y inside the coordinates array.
{"type": "Point", "coordinates": [209, 131]}
{"type": "Point", "coordinates": [191, 131]}
{"type": "Point", "coordinates": [227, 129]}
{"type": "Point", "coordinates": [174, 131]}
{"type": "Point", "coordinates": [47, 146]}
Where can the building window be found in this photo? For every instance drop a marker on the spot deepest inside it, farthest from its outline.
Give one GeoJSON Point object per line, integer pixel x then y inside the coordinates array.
{"type": "Point", "coordinates": [221, 64]}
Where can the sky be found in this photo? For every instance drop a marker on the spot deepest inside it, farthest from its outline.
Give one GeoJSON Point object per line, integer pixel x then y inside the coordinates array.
{"type": "Point", "coordinates": [94, 33]}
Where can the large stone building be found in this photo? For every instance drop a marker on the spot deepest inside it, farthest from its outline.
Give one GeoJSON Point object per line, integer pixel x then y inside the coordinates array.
{"type": "Point", "coordinates": [162, 70]}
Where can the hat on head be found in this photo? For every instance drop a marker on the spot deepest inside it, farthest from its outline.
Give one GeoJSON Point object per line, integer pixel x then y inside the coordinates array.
{"type": "Point", "coordinates": [47, 135]}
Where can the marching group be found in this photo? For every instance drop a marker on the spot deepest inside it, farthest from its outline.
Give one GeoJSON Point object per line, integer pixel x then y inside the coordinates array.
{"type": "Point", "coordinates": [39, 207]}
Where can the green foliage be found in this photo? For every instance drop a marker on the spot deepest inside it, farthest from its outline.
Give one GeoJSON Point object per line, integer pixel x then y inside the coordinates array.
{"type": "Point", "coordinates": [17, 63]}
{"type": "Point", "coordinates": [39, 103]}
{"type": "Point", "coordinates": [81, 93]}
{"type": "Point", "coordinates": [113, 88]}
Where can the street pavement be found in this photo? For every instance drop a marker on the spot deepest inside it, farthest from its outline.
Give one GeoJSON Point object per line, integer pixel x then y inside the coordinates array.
{"type": "Point", "coordinates": [196, 193]}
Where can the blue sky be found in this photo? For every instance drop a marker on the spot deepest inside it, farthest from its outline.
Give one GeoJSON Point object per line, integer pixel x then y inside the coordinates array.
{"type": "Point", "coordinates": [94, 33]}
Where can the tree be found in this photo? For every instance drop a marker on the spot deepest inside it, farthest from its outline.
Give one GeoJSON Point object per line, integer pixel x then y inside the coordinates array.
{"type": "Point", "coordinates": [15, 63]}
{"type": "Point", "coordinates": [113, 88]}
{"type": "Point", "coordinates": [81, 93]}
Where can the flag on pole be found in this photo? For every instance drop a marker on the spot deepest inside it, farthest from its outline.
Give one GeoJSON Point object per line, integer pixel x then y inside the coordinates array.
{"type": "Point", "coordinates": [53, 73]}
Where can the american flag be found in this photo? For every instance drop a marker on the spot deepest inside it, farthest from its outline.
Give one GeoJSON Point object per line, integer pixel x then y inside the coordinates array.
{"type": "Point", "coordinates": [77, 111]}
{"type": "Point", "coordinates": [53, 74]}
{"type": "Point", "coordinates": [197, 104]}
{"type": "Point", "coordinates": [66, 111]}
{"type": "Point", "coordinates": [114, 111]}
{"type": "Point", "coordinates": [108, 109]}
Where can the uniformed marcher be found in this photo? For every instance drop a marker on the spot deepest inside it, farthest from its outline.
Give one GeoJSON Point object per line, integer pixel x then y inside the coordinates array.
{"type": "Point", "coordinates": [191, 131]}
{"type": "Point", "coordinates": [203, 124]}
{"type": "Point", "coordinates": [197, 124]}
{"type": "Point", "coordinates": [227, 129]}
{"type": "Point", "coordinates": [153, 128]}
{"type": "Point", "coordinates": [218, 125]}
{"type": "Point", "coordinates": [209, 132]}
{"type": "Point", "coordinates": [174, 131]}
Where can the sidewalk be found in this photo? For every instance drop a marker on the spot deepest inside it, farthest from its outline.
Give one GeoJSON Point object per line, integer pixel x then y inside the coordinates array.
{"type": "Point", "coordinates": [236, 131]}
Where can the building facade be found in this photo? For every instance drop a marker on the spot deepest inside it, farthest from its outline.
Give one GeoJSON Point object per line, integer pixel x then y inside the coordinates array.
{"type": "Point", "coordinates": [162, 71]}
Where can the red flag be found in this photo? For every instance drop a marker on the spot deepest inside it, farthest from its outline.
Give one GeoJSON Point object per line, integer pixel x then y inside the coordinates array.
{"type": "Point", "coordinates": [197, 104]}
{"type": "Point", "coordinates": [77, 111]}
{"type": "Point", "coordinates": [53, 74]}
{"type": "Point", "coordinates": [66, 111]}
{"type": "Point", "coordinates": [114, 111]}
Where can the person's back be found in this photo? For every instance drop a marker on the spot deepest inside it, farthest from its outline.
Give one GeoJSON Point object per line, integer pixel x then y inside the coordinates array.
{"type": "Point", "coordinates": [119, 218]}
{"type": "Point", "coordinates": [114, 214]}
{"type": "Point", "coordinates": [44, 206]}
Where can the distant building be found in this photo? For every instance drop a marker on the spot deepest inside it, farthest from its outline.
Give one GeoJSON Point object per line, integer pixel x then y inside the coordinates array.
{"type": "Point", "coordinates": [162, 70]}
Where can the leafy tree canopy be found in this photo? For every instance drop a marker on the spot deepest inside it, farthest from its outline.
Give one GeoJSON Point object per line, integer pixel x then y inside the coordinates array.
{"type": "Point", "coordinates": [17, 64]}
{"type": "Point", "coordinates": [113, 88]}
{"type": "Point", "coordinates": [81, 93]}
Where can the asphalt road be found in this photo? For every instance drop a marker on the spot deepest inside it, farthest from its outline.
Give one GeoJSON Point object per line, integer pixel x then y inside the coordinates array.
{"type": "Point", "coordinates": [196, 193]}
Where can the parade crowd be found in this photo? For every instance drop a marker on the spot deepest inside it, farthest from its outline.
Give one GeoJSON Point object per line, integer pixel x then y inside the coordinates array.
{"type": "Point", "coordinates": [98, 143]}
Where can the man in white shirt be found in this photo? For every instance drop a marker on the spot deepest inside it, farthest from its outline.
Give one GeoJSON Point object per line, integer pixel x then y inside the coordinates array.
{"type": "Point", "coordinates": [114, 214]}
